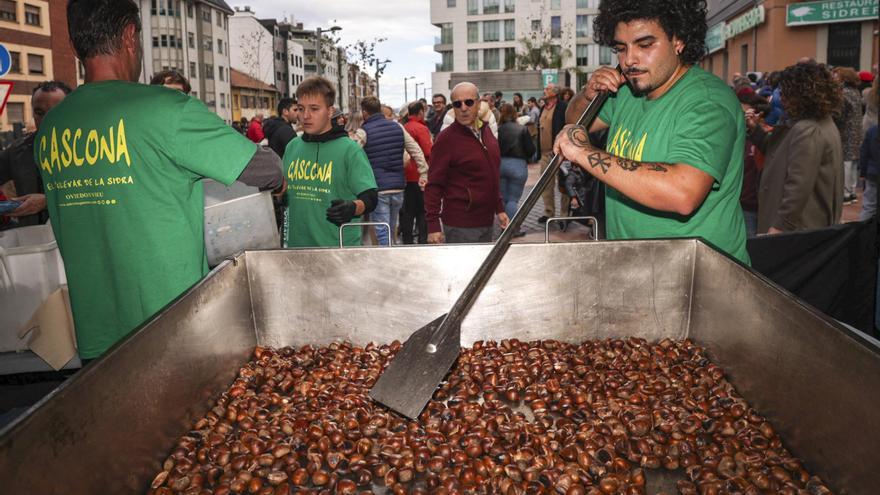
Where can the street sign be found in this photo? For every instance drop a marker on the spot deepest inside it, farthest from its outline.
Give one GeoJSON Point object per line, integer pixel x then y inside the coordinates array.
{"type": "Point", "coordinates": [5, 91]}
{"type": "Point", "coordinates": [549, 76]}
{"type": "Point", "coordinates": [806, 13]}
{"type": "Point", "coordinates": [5, 60]}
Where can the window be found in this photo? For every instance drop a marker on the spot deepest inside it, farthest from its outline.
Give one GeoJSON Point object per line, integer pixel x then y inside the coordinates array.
{"type": "Point", "coordinates": [220, 73]}
{"type": "Point", "coordinates": [278, 76]}
{"type": "Point", "coordinates": [490, 6]}
{"type": "Point", "coordinates": [604, 55]}
{"type": "Point", "coordinates": [490, 31]}
{"type": "Point", "coordinates": [509, 29]}
{"type": "Point", "coordinates": [309, 53]}
{"type": "Point", "coordinates": [509, 58]}
{"type": "Point", "coordinates": [153, 9]}
{"type": "Point", "coordinates": [473, 7]}
{"type": "Point", "coordinates": [744, 58]}
{"type": "Point", "coordinates": [195, 94]}
{"type": "Point", "coordinates": [582, 59]}
{"type": "Point", "coordinates": [450, 4]}
{"type": "Point", "coordinates": [583, 26]}
{"type": "Point", "coordinates": [31, 15]}
{"type": "Point", "coordinates": [536, 25]}
{"type": "Point", "coordinates": [310, 68]}
{"type": "Point", "coordinates": [192, 71]}
{"type": "Point", "coordinates": [15, 67]}
{"type": "Point", "coordinates": [219, 19]}
{"type": "Point", "coordinates": [191, 40]}
{"type": "Point", "coordinates": [583, 4]}
{"type": "Point", "coordinates": [222, 100]}
{"type": "Point", "coordinates": [208, 44]}
{"type": "Point", "coordinates": [7, 11]}
{"type": "Point", "coordinates": [473, 32]}
{"type": "Point", "coordinates": [189, 9]}
{"type": "Point", "coordinates": [555, 4]}
{"type": "Point", "coordinates": [446, 64]}
{"type": "Point", "coordinates": [446, 33]}
{"type": "Point", "coordinates": [155, 42]}
{"type": "Point", "coordinates": [81, 70]}
{"type": "Point", "coordinates": [15, 113]}
{"type": "Point", "coordinates": [509, 6]}
{"type": "Point", "coordinates": [206, 14]}
{"type": "Point", "coordinates": [491, 59]}
{"type": "Point", "coordinates": [164, 38]}
{"type": "Point", "coordinates": [209, 71]}
{"type": "Point", "coordinates": [219, 45]}
{"type": "Point", "coordinates": [473, 59]}
{"type": "Point", "coordinates": [555, 27]}
{"type": "Point", "coordinates": [35, 64]}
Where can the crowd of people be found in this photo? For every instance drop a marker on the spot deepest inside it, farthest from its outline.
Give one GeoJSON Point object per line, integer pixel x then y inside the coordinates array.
{"type": "Point", "coordinates": [676, 150]}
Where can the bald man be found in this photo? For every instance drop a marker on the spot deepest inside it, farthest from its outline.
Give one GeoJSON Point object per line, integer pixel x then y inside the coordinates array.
{"type": "Point", "coordinates": [463, 195]}
{"type": "Point", "coordinates": [550, 124]}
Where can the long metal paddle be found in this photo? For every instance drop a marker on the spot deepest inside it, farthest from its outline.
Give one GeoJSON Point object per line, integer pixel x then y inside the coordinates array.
{"type": "Point", "coordinates": [409, 381]}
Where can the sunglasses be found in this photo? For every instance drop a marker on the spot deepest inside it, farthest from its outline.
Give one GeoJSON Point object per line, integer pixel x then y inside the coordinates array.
{"type": "Point", "coordinates": [468, 103]}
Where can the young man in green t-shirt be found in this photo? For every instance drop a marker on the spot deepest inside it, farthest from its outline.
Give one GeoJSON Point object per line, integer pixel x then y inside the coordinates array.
{"type": "Point", "coordinates": [676, 134]}
{"type": "Point", "coordinates": [122, 165]}
{"type": "Point", "coordinates": [329, 179]}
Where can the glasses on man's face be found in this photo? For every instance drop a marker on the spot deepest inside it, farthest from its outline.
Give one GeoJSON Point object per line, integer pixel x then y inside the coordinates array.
{"type": "Point", "coordinates": [468, 103]}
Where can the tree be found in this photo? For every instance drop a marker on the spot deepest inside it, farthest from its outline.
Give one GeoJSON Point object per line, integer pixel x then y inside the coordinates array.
{"type": "Point", "coordinates": [540, 50]}
{"type": "Point", "coordinates": [364, 53]}
{"type": "Point", "coordinates": [253, 59]}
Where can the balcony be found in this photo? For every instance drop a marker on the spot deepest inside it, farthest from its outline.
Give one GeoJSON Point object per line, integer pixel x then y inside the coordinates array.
{"type": "Point", "coordinates": [442, 45]}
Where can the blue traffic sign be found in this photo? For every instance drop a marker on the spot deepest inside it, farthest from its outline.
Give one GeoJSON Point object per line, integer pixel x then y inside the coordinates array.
{"type": "Point", "coordinates": [5, 61]}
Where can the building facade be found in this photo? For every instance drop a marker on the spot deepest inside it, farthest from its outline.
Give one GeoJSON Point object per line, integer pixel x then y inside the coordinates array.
{"type": "Point", "coordinates": [288, 57]}
{"type": "Point", "coordinates": [191, 36]}
{"type": "Point", "coordinates": [251, 96]}
{"type": "Point", "coordinates": [35, 32]}
{"type": "Point", "coordinates": [252, 46]}
{"type": "Point", "coordinates": [751, 36]}
{"type": "Point", "coordinates": [489, 35]}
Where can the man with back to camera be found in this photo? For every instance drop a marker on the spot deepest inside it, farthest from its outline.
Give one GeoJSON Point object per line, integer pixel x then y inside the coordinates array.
{"type": "Point", "coordinates": [330, 181]}
{"type": "Point", "coordinates": [674, 160]}
{"type": "Point", "coordinates": [17, 162]}
{"type": "Point", "coordinates": [122, 164]}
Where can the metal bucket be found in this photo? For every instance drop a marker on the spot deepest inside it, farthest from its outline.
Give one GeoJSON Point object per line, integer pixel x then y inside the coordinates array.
{"type": "Point", "coordinates": [108, 429]}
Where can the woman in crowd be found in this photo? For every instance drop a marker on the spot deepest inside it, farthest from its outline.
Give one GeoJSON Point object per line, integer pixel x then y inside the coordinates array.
{"type": "Point", "coordinates": [354, 128]}
{"type": "Point", "coordinates": [849, 122]}
{"type": "Point", "coordinates": [516, 148]}
{"type": "Point", "coordinates": [519, 105]}
{"type": "Point", "coordinates": [802, 182]}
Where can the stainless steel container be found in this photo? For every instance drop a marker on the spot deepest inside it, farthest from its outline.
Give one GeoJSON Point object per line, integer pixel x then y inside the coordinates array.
{"type": "Point", "coordinates": [108, 429]}
{"type": "Point", "coordinates": [237, 218]}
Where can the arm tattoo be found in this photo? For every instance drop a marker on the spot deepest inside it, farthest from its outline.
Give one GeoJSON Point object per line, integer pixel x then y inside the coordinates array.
{"type": "Point", "coordinates": [599, 159]}
{"type": "Point", "coordinates": [632, 165]}
{"type": "Point", "coordinates": [578, 136]}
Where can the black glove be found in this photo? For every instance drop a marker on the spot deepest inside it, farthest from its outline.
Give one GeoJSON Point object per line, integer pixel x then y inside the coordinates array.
{"type": "Point", "coordinates": [341, 211]}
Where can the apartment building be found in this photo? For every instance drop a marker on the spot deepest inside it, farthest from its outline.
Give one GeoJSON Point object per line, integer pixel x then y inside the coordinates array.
{"type": "Point", "coordinates": [191, 36]}
{"type": "Point", "coordinates": [479, 36]}
{"type": "Point", "coordinates": [288, 57]}
{"type": "Point", "coordinates": [35, 32]}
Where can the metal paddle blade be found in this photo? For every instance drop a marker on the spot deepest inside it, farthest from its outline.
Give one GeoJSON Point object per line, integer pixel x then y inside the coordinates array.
{"type": "Point", "coordinates": [409, 381]}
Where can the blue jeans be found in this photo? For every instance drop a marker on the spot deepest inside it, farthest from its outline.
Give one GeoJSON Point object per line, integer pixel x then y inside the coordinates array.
{"type": "Point", "coordinates": [514, 172]}
{"type": "Point", "coordinates": [751, 218]}
{"type": "Point", "coordinates": [869, 200]}
{"type": "Point", "coordinates": [387, 211]}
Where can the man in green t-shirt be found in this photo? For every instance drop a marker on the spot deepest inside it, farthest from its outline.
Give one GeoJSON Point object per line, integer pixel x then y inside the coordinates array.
{"type": "Point", "coordinates": [122, 163]}
{"type": "Point", "coordinates": [329, 179]}
{"type": "Point", "coordinates": [676, 134]}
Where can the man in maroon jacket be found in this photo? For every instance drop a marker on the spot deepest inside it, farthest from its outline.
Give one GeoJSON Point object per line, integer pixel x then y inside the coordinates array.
{"type": "Point", "coordinates": [464, 176]}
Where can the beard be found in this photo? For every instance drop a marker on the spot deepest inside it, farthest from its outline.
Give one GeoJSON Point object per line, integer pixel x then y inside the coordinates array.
{"type": "Point", "coordinates": [641, 87]}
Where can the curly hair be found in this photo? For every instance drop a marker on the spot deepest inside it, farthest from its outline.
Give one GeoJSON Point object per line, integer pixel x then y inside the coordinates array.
{"type": "Point", "coordinates": [809, 91]}
{"type": "Point", "coordinates": [684, 19]}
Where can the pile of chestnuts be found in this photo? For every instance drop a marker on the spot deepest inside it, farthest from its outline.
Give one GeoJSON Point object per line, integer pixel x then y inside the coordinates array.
{"type": "Point", "coordinates": [512, 417]}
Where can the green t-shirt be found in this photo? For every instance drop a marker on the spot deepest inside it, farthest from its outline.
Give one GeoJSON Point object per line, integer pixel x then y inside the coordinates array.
{"type": "Point", "coordinates": [698, 122]}
{"type": "Point", "coordinates": [317, 173]}
{"type": "Point", "coordinates": [122, 163]}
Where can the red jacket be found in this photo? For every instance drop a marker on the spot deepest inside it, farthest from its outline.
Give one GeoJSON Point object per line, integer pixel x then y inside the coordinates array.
{"type": "Point", "coordinates": [417, 128]}
{"type": "Point", "coordinates": [463, 179]}
{"type": "Point", "coordinates": [255, 131]}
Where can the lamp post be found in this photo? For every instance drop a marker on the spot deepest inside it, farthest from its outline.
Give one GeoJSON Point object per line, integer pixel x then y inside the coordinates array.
{"type": "Point", "coordinates": [318, 54]}
{"type": "Point", "coordinates": [417, 89]}
{"type": "Point", "coordinates": [425, 92]}
{"type": "Point", "coordinates": [405, 95]}
{"type": "Point", "coordinates": [380, 66]}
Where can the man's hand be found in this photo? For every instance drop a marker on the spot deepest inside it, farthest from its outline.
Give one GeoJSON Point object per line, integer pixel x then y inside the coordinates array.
{"type": "Point", "coordinates": [503, 220]}
{"type": "Point", "coordinates": [423, 182]}
{"type": "Point", "coordinates": [341, 211]}
{"type": "Point", "coordinates": [571, 142]}
{"type": "Point", "coordinates": [279, 193]}
{"type": "Point", "coordinates": [604, 79]}
{"type": "Point", "coordinates": [752, 118]}
{"type": "Point", "coordinates": [774, 230]}
{"type": "Point", "coordinates": [436, 238]}
{"type": "Point", "coordinates": [31, 204]}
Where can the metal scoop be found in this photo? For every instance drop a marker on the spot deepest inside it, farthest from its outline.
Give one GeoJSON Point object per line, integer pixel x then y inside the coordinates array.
{"type": "Point", "coordinates": [409, 381]}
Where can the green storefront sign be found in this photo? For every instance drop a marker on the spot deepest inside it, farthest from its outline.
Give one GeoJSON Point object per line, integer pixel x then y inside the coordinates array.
{"type": "Point", "coordinates": [715, 38]}
{"type": "Point", "coordinates": [805, 13]}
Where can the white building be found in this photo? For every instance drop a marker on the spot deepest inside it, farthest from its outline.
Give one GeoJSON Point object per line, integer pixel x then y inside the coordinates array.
{"type": "Point", "coordinates": [485, 36]}
{"type": "Point", "coordinates": [191, 36]}
{"type": "Point", "coordinates": [252, 46]}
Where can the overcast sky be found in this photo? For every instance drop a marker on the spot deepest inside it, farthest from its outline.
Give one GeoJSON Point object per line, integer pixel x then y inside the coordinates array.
{"type": "Point", "coordinates": [406, 24]}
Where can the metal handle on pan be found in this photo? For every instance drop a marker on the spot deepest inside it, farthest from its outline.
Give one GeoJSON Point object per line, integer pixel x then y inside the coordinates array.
{"type": "Point", "coordinates": [365, 224]}
{"type": "Point", "coordinates": [594, 230]}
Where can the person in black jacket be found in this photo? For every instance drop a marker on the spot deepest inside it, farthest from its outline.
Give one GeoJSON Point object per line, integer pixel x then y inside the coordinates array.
{"type": "Point", "coordinates": [279, 130]}
{"type": "Point", "coordinates": [516, 148]}
{"type": "Point", "coordinates": [550, 123]}
{"type": "Point", "coordinates": [17, 162]}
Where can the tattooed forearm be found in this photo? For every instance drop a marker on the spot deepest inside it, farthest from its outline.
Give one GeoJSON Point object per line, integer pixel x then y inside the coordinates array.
{"type": "Point", "coordinates": [601, 160]}
{"type": "Point", "coordinates": [631, 165]}
{"type": "Point", "coordinates": [578, 136]}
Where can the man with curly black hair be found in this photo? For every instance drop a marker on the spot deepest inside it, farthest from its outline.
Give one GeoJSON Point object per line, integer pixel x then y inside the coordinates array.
{"type": "Point", "coordinates": [674, 160]}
